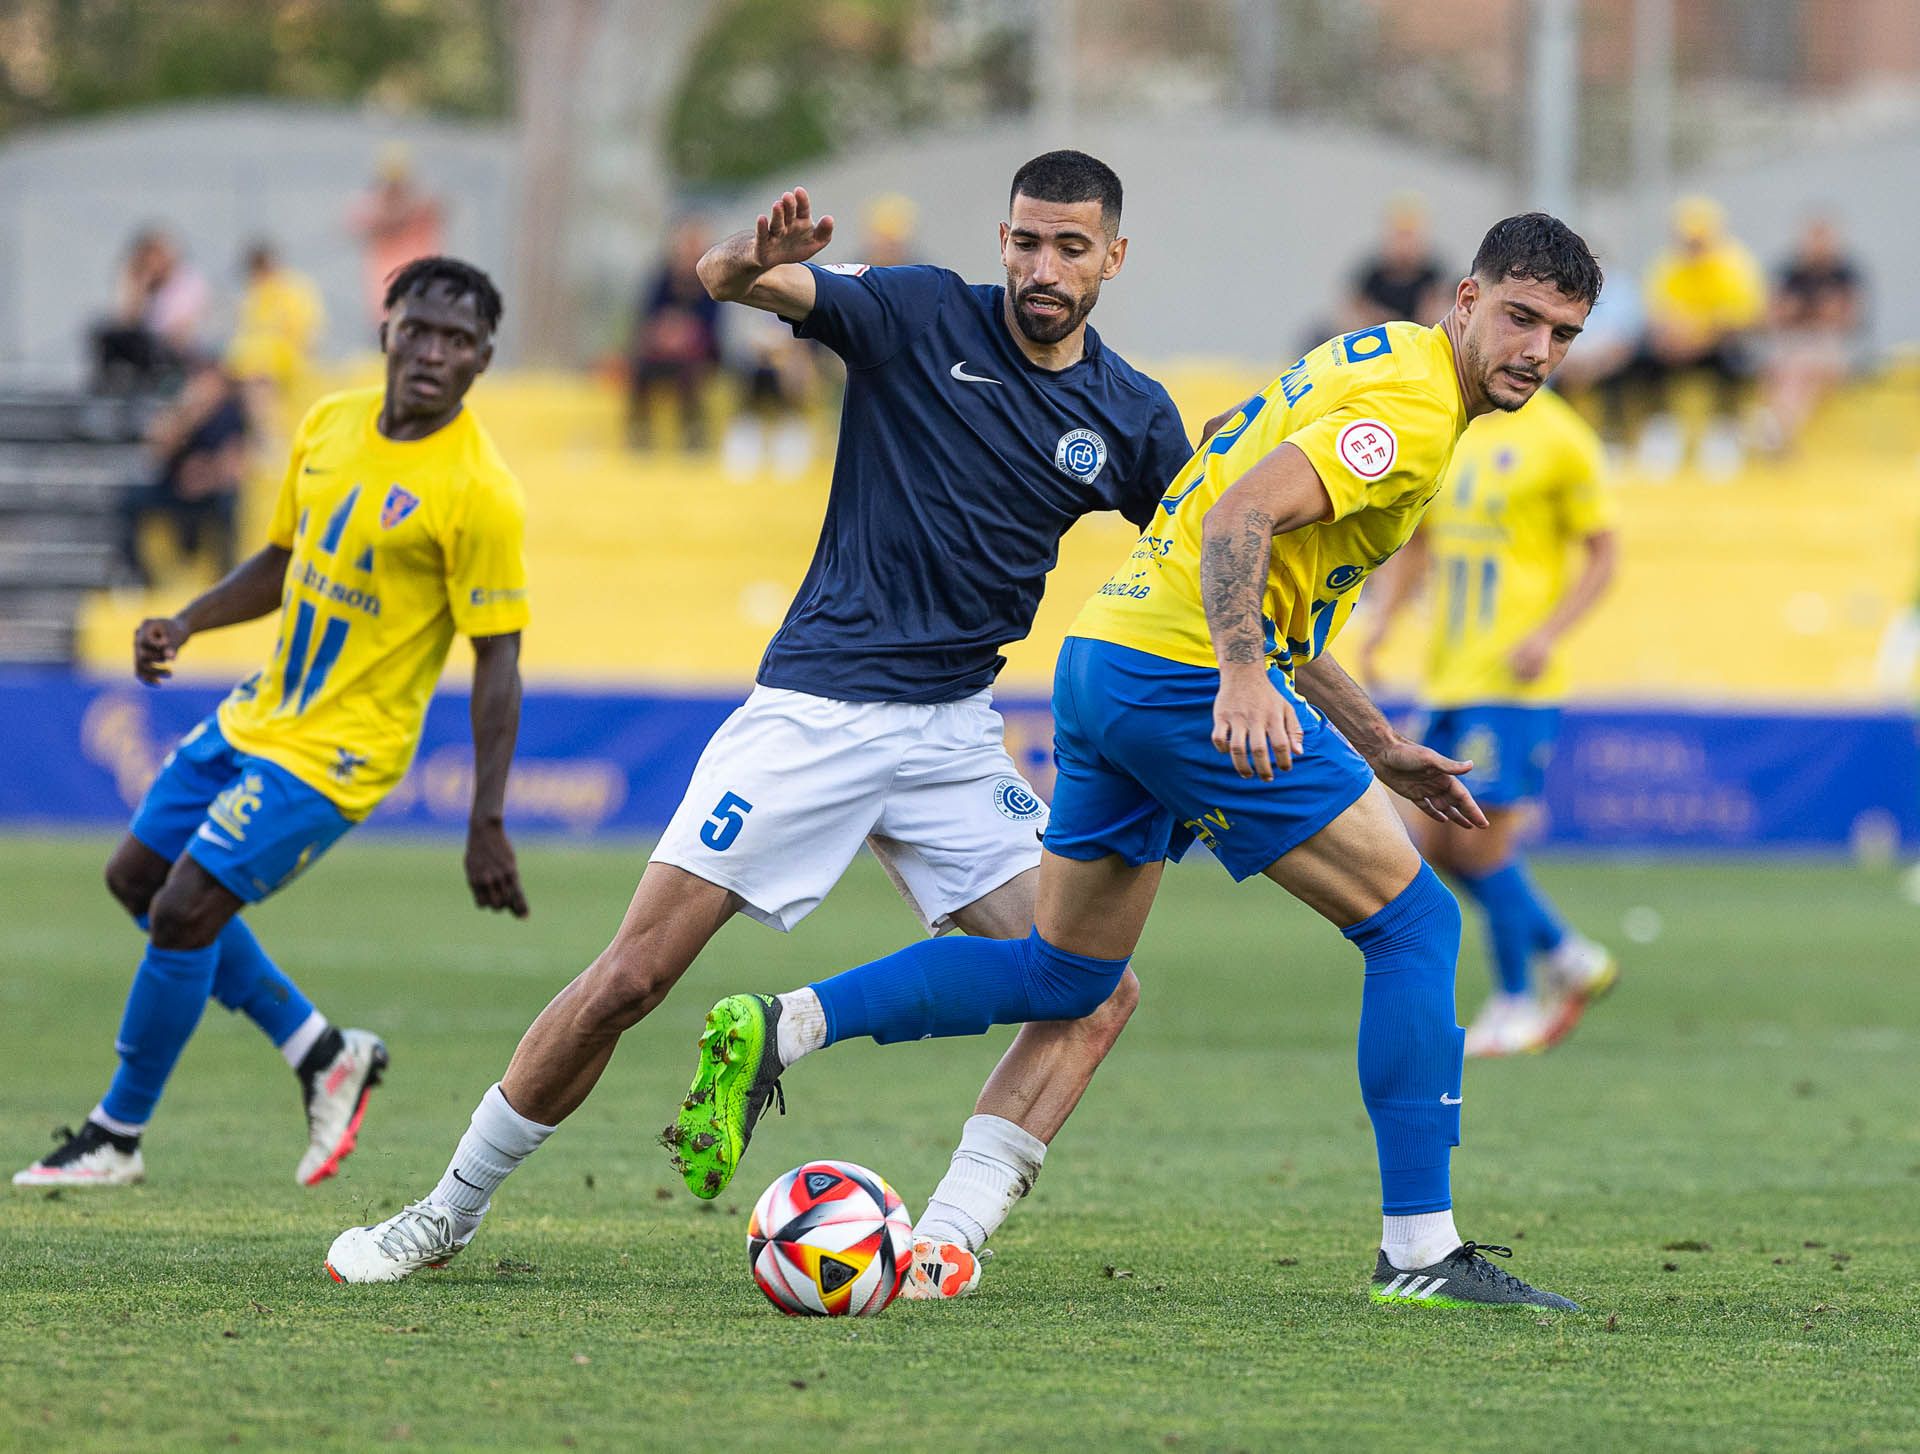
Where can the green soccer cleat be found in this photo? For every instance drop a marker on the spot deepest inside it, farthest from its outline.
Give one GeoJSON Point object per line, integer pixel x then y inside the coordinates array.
{"type": "Point", "coordinates": [739, 1071]}
{"type": "Point", "coordinates": [1464, 1278]}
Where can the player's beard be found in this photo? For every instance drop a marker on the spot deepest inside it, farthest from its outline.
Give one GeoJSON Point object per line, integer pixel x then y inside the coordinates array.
{"type": "Point", "coordinates": [1050, 330]}
{"type": "Point", "coordinates": [1493, 378]}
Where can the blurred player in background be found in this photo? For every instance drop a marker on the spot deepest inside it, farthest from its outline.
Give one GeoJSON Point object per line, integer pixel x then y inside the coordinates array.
{"type": "Point", "coordinates": [397, 525]}
{"type": "Point", "coordinates": [980, 423]}
{"type": "Point", "coordinates": [1526, 494]}
{"type": "Point", "coordinates": [1209, 644]}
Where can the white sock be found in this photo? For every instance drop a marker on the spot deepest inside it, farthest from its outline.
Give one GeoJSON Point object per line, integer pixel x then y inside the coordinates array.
{"type": "Point", "coordinates": [107, 1123]}
{"type": "Point", "coordinates": [1418, 1241]}
{"type": "Point", "coordinates": [295, 1047]}
{"type": "Point", "coordinates": [802, 1028]}
{"type": "Point", "coordinates": [498, 1139]}
{"type": "Point", "coordinates": [996, 1164]}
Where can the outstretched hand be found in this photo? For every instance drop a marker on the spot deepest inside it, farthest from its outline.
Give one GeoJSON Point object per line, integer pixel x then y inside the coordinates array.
{"type": "Point", "coordinates": [1430, 781]}
{"type": "Point", "coordinates": [156, 641]}
{"type": "Point", "coordinates": [788, 233]}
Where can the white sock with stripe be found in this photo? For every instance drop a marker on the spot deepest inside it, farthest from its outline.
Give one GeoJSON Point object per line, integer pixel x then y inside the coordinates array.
{"type": "Point", "coordinates": [1419, 1240]}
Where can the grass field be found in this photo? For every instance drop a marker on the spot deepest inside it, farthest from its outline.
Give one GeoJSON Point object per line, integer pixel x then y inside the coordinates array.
{"type": "Point", "coordinates": [1723, 1166]}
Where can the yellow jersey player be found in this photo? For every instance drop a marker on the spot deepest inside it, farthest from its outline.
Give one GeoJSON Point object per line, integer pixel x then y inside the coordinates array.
{"type": "Point", "coordinates": [1194, 700]}
{"type": "Point", "coordinates": [397, 524]}
{"type": "Point", "coordinates": [1525, 496]}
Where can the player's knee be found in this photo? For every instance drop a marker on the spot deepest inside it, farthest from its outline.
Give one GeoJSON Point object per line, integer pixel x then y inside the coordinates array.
{"type": "Point", "coordinates": [624, 985]}
{"type": "Point", "coordinates": [133, 888]}
{"type": "Point", "coordinates": [180, 918]}
{"type": "Point", "coordinates": [1066, 986]}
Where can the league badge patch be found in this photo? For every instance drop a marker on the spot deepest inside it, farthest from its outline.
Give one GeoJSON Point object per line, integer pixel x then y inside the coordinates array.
{"type": "Point", "coordinates": [400, 504]}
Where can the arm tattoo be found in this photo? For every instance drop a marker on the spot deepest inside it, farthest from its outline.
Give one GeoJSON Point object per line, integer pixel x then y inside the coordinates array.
{"type": "Point", "coordinates": [1234, 563]}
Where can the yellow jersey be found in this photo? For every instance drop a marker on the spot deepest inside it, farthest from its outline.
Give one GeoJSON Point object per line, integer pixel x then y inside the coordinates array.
{"type": "Point", "coordinates": [395, 547]}
{"type": "Point", "coordinates": [280, 317]}
{"type": "Point", "coordinates": [1525, 488]}
{"type": "Point", "coordinates": [1721, 290]}
{"type": "Point", "coordinates": [1377, 413]}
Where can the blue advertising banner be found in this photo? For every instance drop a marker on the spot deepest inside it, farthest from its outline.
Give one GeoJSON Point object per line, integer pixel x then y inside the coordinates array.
{"type": "Point", "coordinates": [81, 751]}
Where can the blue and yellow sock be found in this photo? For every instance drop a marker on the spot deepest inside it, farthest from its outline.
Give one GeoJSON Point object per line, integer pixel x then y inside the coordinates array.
{"type": "Point", "coordinates": [963, 986]}
{"type": "Point", "coordinates": [249, 982]}
{"type": "Point", "coordinates": [164, 1005]}
{"type": "Point", "coordinates": [1520, 923]}
{"type": "Point", "coordinates": [1411, 1053]}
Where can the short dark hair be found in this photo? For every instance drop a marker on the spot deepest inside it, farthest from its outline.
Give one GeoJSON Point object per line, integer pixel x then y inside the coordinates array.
{"type": "Point", "coordinates": [1070, 176]}
{"type": "Point", "coordinates": [461, 279]}
{"type": "Point", "coordinates": [1542, 249]}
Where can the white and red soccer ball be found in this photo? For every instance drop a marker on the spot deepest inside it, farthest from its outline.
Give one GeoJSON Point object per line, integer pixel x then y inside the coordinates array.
{"type": "Point", "coordinates": [829, 1240]}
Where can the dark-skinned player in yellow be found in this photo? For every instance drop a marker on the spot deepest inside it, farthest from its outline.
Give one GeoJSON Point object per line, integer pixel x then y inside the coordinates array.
{"type": "Point", "coordinates": [396, 526]}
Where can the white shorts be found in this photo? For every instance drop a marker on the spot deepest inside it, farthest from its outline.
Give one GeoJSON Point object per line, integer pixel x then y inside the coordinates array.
{"type": "Point", "coordinates": [792, 784]}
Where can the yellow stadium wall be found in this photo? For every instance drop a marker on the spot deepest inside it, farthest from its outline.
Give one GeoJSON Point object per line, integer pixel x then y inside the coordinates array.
{"type": "Point", "coordinates": [655, 569]}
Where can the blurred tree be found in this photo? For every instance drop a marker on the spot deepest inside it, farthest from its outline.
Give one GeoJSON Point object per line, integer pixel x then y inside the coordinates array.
{"type": "Point", "coordinates": [773, 83]}
{"type": "Point", "coordinates": [65, 58]}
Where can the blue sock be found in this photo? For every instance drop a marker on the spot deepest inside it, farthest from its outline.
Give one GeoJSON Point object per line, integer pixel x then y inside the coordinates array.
{"type": "Point", "coordinates": [1411, 1051]}
{"type": "Point", "coordinates": [251, 983]}
{"type": "Point", "coordinates": [961, 986]}
{"type": "Point", "coordinates": [169, 992]}
{"type": "Point", "coordinates": [1519, 924]}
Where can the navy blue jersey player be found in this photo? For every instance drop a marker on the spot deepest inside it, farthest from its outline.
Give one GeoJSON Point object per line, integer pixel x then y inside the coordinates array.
{"type": "Point", "coordinates": [980, 422]}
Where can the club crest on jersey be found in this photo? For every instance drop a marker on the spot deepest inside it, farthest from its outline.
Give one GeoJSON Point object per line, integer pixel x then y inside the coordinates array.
{"type": "Point", "coordinates": [1368, 447]}
{"type": "Point", "coordinates": [1082, 454]}
{"type": "Point", "coordinates": [1015, 800]}
{"type": "Point", "coordinates": [400, 504]}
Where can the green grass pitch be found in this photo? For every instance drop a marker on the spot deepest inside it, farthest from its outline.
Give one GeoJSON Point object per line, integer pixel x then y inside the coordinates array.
{"type": "Point", "coordinates": [1723, 1166]}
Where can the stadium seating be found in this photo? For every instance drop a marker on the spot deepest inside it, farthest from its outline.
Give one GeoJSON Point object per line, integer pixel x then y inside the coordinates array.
{"type": "Point", "coordinates": [64, 460]}
{"type": "Point", "coordinates": [1771, 587]}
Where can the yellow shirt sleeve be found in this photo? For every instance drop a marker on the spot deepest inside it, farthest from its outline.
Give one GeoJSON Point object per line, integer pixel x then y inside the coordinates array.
{"type": "Point", "coordinates": [286, 505]}
{"type": "Point", "coordinates": [487, 561]}
{"type": "Point", "coordinates": [1378, 448]}
{"type": "Point", "coordinates": [1586, 500]}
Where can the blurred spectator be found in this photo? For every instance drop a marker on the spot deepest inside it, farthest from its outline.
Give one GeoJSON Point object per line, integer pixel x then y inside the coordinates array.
{"type": "Point", "coordinates": [160, 304]}
{"type": "Point", "coordinates": [676, 341]}
{"type": "Point", "coordinates": [887, 232]}
{"type": "Point", "coordinates": [272, 347]}
{"type": "Point", "coordinates": [199, 449]}
{"type": "Point", "coordinates": [1816, 317]}
{"type": "Point", "coordinates": [776, 373]}
{"type": "Point", "coordinates": [396, 222]}
{"type": "Point", "coordinates": [1404, 279]}
{"type": "Point", "coordinates": [1704, 296]}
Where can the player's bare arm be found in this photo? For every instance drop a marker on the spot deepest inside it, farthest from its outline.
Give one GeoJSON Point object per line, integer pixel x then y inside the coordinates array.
{"type": "Point", "coordinates": [1425, 778]}
{"type": "Point", "coordinates": [1600, 559]}
{"type": "Point", "coordinates": [762, 268]}
{"type": "Point", "coordinates": [250, 590]}
{"type": "Point", "coordinates": [492, 872]}
{"type": "Point", "coordinates": [1252, 722]}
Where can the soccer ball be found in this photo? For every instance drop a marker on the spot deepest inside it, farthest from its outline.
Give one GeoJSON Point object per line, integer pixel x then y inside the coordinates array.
{"type": "Point", "coordinates": [829, 1240]}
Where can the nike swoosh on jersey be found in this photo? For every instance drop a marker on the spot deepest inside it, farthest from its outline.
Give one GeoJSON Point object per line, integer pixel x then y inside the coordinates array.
{"type": "Point", "coordinates": [959, 371]}
{"type": "Point", "coordinates": [1447, 1100]}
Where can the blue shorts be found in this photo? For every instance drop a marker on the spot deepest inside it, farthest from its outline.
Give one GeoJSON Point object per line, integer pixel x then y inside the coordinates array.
{"type": "Point", "coordinates": [250, 823]}
{"type": "Point", "coordinates": [1139, 775]}
{"type": "Point", "coordinates": [1508, 746]}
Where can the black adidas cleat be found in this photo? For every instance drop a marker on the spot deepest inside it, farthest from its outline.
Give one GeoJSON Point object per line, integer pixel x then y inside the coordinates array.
{"type": "Point", "coordinates": [1464, 1278]}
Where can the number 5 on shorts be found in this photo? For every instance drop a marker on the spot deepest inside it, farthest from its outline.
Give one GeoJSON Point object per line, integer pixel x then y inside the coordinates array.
{"type": "Point", "coordinates": [723, 824]}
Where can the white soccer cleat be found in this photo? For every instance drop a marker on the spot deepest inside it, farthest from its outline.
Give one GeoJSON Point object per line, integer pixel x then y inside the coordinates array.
{"type": "Point", "coordinates": [1577, 973]}
{"type": "Point", "coordinates": [421, 1234]}
{"type": "Point", "coordinates": [941, 1270]}
{"type": "Point", "coordinates": [336, 1103]}
{"type": "Point", "coordinates": [1509, 1025]}
{"type": "Point", "coordinates": [88, 1157]}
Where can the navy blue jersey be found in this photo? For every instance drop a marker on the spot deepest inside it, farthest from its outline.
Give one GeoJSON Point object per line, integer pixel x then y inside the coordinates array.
{"type": "Point", "coordinates": [960, 466]}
